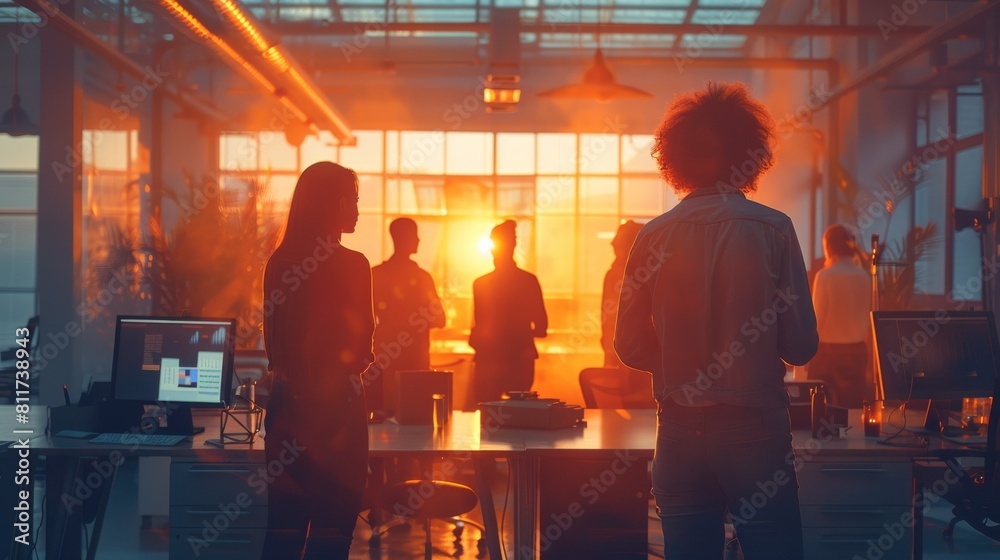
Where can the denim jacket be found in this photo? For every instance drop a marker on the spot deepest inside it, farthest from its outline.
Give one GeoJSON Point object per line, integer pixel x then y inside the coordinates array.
{"type": "Point", "coordinates": [714, 299]}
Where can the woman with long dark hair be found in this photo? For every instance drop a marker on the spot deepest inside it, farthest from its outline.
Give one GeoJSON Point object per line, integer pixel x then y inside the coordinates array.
{"type": "Point", "coordinates": [318, 337]}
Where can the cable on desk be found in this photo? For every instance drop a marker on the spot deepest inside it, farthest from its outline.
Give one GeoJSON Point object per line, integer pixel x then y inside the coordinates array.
{"type": "Point", "coordinates": [917, 441]}
{"type": "Point", "coordinates": [503, 513]}
{"type": "Point", "coordinates": [41, 525]}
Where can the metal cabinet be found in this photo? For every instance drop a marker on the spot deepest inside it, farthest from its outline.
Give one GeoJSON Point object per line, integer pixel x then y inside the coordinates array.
{"type": "Point", "coordinates": [857, 508]}
{"type": "Point", "coordinates": [217, 510]}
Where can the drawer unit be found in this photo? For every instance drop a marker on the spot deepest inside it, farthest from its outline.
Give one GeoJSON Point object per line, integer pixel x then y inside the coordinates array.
{"type": "Point", "coordinates": [858, 515]}
{"type": "Point", "coordinates": [197, 516]}
{"type": "Point", "coordinates": [193, 543]}
{"type": "Point", "coordinates": [845, 544]}
{"type": "Point", "coordinates": [833, 482]}
{"type": "Point", "coordinates": [217, 510]}
{"type": "Point", "coordinates": [215, 483]}
{"type": "Point", "coordinates": [856, 508]}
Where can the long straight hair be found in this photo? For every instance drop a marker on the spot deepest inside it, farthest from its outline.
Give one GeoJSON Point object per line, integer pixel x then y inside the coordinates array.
{"type": "Point", "coordinates": [315, 203]}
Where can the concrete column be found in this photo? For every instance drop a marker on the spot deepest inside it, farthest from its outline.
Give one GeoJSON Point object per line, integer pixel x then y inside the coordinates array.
{"type": "Point", "coordinates": [59, 215]}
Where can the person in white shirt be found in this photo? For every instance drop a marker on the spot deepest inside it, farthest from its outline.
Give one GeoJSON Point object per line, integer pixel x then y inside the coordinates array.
{"type": "Point", "coordinates": [842, 299]}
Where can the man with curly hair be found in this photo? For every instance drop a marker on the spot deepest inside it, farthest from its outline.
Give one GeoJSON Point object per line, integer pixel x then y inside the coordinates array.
{"type": "Point", "coordinates": [714, 303]}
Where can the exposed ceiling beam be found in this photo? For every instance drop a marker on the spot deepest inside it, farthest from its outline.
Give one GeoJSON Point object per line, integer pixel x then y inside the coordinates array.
{"type": "Point", "coordinates": [98, 46]}
{"type": "Point", "coordinates": [266, 65]}
{"type": "Point", "coordinates": [787, 63]}
{"type": "Point", "coordinates": [912, 48]}
{"type": "Point", "coordinates": [301, 28]}
{"type": "Point", "coordinates": [283, 68]}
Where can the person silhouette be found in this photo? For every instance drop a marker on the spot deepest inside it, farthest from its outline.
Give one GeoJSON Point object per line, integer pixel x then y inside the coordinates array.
{"type": "Point", "coordinates": [842, 299]}
{"type": "Point", "coordinates": [407, 307]}
{"type": "Point", "coordinates": [715, 303]}
{"type": "Point", "coordinates": [621, 244]}
{"type": "Point", "coordinates": [318, 341]}
{"type": "Point", "coordinates": [508, 314]}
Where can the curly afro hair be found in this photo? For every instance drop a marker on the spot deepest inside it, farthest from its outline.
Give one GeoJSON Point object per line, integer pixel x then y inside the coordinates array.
{"type": "Point", "coordinates": [719, 136]}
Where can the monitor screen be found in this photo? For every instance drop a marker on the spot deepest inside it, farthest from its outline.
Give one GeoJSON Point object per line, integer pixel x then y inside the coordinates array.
{"type": "Point", "coordinates": [174, 360]}
{"type": "Point", "coordinates": [936, 354]}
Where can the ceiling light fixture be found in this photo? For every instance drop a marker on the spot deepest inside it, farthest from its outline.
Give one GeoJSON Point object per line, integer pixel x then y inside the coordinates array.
{"type": "Point", "coordinates": [502, 88]}
{"type": "Point", "coordinates": [501, 93]}
{"type": "Point", "coordinates": [15, 121]}
{"type": "Point", "coordinates": [598, 84]}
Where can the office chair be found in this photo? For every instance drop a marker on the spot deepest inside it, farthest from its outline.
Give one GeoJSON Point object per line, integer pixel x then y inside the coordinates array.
{"type": "Point", "coordinates": [425, 500]}
{"type": "Point", "coordinates": [977, 495]}
{"type": "Point", "coordinates": [616, 388]}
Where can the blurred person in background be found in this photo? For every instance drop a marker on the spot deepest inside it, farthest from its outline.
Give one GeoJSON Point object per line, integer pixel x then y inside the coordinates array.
{"type": "Point", "coordinates": [612, 291]}
{"type": "Point", "coordinates": [407, 307]}
{"type": "Point", "coordinates": [842, 298]}
{"type": "Point", "coordinates": [508, 314]}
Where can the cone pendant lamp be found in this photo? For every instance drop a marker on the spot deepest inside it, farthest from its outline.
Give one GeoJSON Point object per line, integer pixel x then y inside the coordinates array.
{"type": "Point", "coordinates": [598, 84]}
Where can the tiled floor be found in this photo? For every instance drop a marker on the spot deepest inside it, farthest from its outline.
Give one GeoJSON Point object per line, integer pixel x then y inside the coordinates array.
{"type": "Point", "coordinates": [122, 538]}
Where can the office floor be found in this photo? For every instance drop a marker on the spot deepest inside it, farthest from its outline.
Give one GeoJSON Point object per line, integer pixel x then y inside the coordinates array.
{"type": "Point", "coordinates": [123, 539]}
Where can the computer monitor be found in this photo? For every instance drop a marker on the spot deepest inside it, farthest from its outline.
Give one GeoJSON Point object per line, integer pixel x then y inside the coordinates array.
{"type": "Point", "coordinates": [176, 362]}
{"type": "Point", "coordinates": [937, 356]}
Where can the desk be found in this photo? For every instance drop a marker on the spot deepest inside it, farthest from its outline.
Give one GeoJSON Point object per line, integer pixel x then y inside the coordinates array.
{"type": "Point", "coordinates": [463, 436]}
{"type": "Point", "coordinates": [828, 466]}
{"type": "Point", "coordinates": [836, 524]}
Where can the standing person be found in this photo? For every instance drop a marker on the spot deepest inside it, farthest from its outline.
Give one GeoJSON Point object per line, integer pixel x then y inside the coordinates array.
{"type": "Point", "coordinates": [842, 298]}
{"type": "Point", "coordinates": [318, 342]}
{"type": "Point", "coordinates": [508, 314]}
{"type": "Point", "coordinates": [621, 244]}
{"type": "Point", "coordinates": [407, 308]}
{"type": "Point", "coordinates": [716, 299]}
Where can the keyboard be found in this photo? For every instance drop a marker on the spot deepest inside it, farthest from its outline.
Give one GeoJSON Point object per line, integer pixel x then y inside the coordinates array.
{"type": "Point", "coordinates": [966, 439]}
{"type": "Point", "coordinates": [138, 439]}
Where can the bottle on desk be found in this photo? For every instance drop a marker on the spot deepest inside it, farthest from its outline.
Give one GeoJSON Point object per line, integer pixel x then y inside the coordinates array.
{"type": "Point", "coordinates": [818, 409]}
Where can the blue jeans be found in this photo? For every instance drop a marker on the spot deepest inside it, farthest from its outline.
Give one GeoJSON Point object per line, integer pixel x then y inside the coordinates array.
{"type": "Point", "coordinates": [721, 457]}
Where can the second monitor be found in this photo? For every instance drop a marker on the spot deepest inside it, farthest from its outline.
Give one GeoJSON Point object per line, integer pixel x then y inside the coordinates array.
{"type": "Point", "coordinates": [936, 354]}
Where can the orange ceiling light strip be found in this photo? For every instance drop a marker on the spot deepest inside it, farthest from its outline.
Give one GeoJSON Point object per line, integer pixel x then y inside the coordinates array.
{"type": "Point", "coordinates": [203, 32]}
{"type": "Point", "coordinates": [235, 13]}
{"type": "Point", "coordinates": [274, 56]}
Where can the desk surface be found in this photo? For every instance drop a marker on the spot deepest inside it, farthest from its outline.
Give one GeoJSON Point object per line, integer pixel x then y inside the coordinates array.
{"type": "Point", "coordinates": [606, 430]}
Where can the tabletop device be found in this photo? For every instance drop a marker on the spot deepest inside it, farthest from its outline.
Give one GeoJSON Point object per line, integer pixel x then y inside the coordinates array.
{"type": "Point", "coordinates": [524, 409]}
{"type": "Point", "coordinates": [937, 356]}
{"type": "Point", "coordinates": [177, 363]}
{"type": "Point", "coordinates": [163, 440]}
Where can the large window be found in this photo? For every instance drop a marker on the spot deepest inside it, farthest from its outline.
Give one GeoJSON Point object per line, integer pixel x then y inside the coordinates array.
{"type": "Point", "coordinates": [948, 162]}
{"type": "Point", "coordinates": [966, 161]}
{"type": "Point", "coordinates": [568, 193]}
{"type": "Point", "coordinates": [18, 218]}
